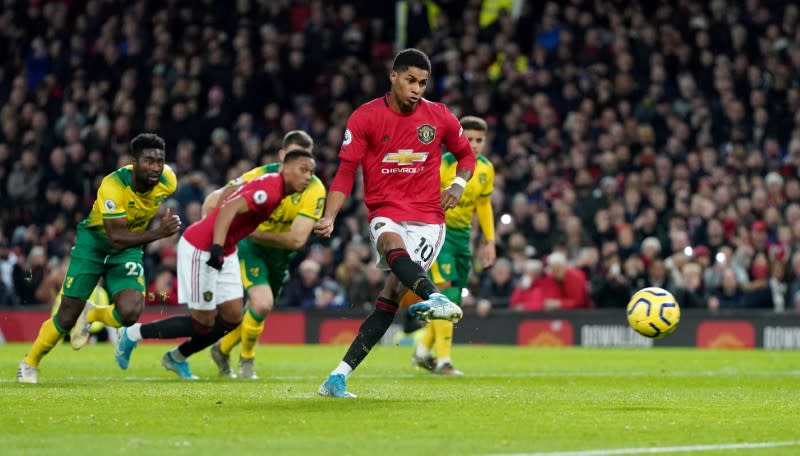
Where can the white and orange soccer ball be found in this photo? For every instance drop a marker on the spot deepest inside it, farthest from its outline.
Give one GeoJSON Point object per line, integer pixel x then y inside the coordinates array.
{"type": "Point", "coordinates": [653, 312]}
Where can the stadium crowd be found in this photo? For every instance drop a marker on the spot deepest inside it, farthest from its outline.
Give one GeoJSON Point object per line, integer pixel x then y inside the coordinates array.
{"type": "Point", "coordinates": [636, 143]}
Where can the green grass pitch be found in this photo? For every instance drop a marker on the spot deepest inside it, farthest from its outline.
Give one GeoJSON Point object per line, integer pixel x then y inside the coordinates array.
{"type": "Point", "coordinates": [512, 400]}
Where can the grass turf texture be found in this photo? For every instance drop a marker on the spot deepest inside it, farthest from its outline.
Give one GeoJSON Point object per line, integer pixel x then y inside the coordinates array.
{"type": "Point", "coordinates": [512, 400]}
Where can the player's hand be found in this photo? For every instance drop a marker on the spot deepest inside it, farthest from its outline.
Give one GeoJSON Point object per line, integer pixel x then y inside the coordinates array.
{"type": "Point", "coordinates": [217, 257]}
{"type": "Point", "coordinates": [324, 227]}
{"type": "Point", "coordinates": [451, 196]}
{"type": "Point", "coordinates": [170, 224]}
{"type": "Point", "coordinates": [488, 254]}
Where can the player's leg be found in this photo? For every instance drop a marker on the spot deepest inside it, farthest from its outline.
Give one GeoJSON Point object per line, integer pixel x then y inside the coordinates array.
{"type": "Point", "coordinates": [124, 279]}
{"type": "Point", "coordinates": [262, 270]}
{"type": "Point", "coordinates": [451, 275]}
{"type": "Point", "coordinates": [228, 315]}
{"type": "Point", "coordinates": [81, 278]}
{"type": "Point", "coordinates": [196, 287]}
{"type": "Point", "coordinates": [428, 240]}
{"type": "Point", "coordinates": [390, 241]}
{"type": "Point", "coordinates": [369, 333]}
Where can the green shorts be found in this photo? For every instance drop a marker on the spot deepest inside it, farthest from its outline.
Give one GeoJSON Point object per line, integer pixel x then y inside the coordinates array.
{"type": "Point", "coordinates": [263, 265]}
{"type": "Point", "coordinates": [454, 262]}
{"type": "Point", "coordinates": [92, 257]}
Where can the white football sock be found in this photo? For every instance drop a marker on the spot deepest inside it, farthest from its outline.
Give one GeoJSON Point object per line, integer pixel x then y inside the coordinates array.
{"type": "Point", "coordinates": [135, 332]}
{"type": "Point", "coordinates": [343, 368]}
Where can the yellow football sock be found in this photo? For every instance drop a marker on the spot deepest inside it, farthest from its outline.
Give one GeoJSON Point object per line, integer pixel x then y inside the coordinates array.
{"type": "Point", "coordinates": [252, 327]}
{"type": "Point", "coordinates": [444, 337]}
{"type": "Point", "coordinates": [230, 340]}
{"type": "Point", "coordinates": [428, 336]}
{"type": "Point", "coordinates": [106, 314]}
{"type": "Point", "coordinates": [49, 335]}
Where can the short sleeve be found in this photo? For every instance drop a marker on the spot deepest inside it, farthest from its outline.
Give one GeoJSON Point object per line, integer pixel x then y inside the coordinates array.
{"type": "Point", "coordinates": [111, 198]}
{"type": "Point", "coordinates": [312, 202]}
{"type": "Point", "coordinates": [170, 180]}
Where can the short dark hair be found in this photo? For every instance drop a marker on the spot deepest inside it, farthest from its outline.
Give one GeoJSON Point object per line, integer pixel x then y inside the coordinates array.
{"type": "Point", "coordinates": [144, 141]}
{"type": "Point", "coordinates": [411, 58]}
{"type": "Point", "coordinates": [474, 123]}
{"type": "Point", "coordinates": [298, 138]}
{"type": "Point", "coordinates": [294, 154]}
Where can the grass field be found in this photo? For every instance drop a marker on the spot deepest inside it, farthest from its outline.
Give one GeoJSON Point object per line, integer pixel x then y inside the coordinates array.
{"type": "Point", "coordinates": [513, 400]}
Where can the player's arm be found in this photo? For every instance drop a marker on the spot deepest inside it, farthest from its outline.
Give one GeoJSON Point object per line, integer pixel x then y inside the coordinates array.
{"type": "Point", "coordinates": [227, 212]}
{"type": "Point", "coordinates": [221, 194]}
{"type": "Point", "coordinates": [483, 208]}
{"type": "Point", "coordinates": [457, 143]}
{"type": "Point", "coordinates": [121, 237]}
{"type": "Point", "coordinates": [293, 239]}
{"type": "Point", "coordinates": [353, 148]}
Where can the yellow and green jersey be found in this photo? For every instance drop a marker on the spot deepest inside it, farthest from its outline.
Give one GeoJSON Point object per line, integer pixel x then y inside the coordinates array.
{"type": "Point", "coordinates": [309, 203]}
{"type": "Point", "coordinates": [480, 186]}
{"type": "Point", "coordinates": [117, 198]}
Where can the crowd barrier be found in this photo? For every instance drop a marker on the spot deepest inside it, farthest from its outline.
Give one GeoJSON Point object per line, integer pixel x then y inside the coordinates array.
{"type": "Point", "coordinates": [585, 328]}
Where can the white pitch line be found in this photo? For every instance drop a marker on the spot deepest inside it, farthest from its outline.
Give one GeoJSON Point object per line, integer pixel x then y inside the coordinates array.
{"type": "Point", "coordinates": [657, 450]}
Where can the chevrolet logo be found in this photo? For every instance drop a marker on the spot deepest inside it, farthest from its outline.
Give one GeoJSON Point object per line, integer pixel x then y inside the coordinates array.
{"type": "Point", "coordinates": [405, 157]}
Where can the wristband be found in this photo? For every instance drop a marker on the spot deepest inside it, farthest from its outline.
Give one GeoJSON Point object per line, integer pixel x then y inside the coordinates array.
{"type": "Point", "coordinates": [460, 181]}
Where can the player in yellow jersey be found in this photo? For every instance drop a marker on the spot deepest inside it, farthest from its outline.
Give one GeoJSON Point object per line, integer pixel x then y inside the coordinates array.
{"type": "Point", "coordinates": [109, 244]}
{"type": "Point", "coordinates": [452, 267]}
{"type": "Point", "coordinates": [265, 255]}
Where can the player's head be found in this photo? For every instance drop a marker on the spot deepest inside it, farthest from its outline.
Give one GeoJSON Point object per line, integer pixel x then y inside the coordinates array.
{"type": "Point", "coordinates": [147, 150]}
{"type": "Point", "coordinates": [475, 130]}
{"type": "Point", "coordinates": [411, 70]}
{"type": "Point", "coordinates": [295, 139]}
{"type": "Point", "coordinates": [297, 169]}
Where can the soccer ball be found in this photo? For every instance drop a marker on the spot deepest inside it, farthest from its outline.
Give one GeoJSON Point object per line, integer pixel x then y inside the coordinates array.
{"type": "Point", "coordinates": [653, 312]}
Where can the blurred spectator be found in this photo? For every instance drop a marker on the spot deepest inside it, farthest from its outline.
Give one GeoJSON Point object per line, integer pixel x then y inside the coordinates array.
{"type": "Point", "coordinates": [301, 289]}
{"type": "Point", "coordinates": [562, 287]}
{"type": "Point", "coordinates": [163, 289]}
{"type": "Point", "coordinates": [496, 288]}
{"type": "Point", "coordinates": [609, 124]}
{"type": "Point", "coordinates": [366, 286]}
{"type": "Point", "coordinates": [729, 295]}
{"type": "Point", "coordinates": [525, 296]}
{"type": "Point", "coordinates": [689, 295]}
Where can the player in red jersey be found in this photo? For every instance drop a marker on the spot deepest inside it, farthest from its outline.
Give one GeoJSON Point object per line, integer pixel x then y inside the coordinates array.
{"type": "Point", "coordinates": [209, 279]}
{"type": "Point", "coordinates": [397, 139]}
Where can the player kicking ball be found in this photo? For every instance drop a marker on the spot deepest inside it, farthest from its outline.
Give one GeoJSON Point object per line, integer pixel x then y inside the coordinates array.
{"type": "Point", "coordinates": [209, 279]}
{"type": "Point", "coordinates": [397, 141]}
{"type": "Point", "coordinates": [451, 270]}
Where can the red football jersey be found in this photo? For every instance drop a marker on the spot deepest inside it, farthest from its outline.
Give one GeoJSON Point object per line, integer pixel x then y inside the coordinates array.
{"type": "Point", "coordinates": [263, 195]}
{"type": "Point", "coordinates": [400, 155]}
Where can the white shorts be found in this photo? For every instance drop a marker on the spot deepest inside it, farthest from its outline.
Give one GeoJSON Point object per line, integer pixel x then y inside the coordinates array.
{"type": "Point", "coordinates": [202, 287]}
{"type": "Point", "coordinates": [423, 241]}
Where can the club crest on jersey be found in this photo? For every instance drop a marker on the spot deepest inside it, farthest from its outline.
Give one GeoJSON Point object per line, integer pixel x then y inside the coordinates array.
{"type": "Point", "coordinates": [405, 157]}
{"type": "Point", "coordinates": [208, 296]}
{"type": "Point", "coordinates": [110, 205]}
{"type": "Point", "coordinates": [426, 133]}
{"type": "Point", "coordinates": [260, 197]}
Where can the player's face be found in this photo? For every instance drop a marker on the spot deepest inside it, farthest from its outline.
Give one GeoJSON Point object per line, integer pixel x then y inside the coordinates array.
{"type": "Point", "coordinates": [477, 140]}
{"type": "Point", "coordinates": [298, 173]}
{"type": "Point", "coordinates": [148, 167]}
{"type": "Point", "coordinates": [409, 86]}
